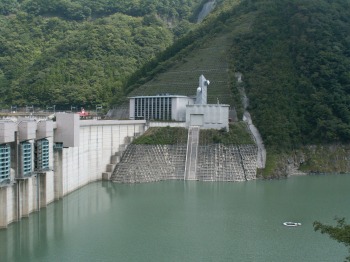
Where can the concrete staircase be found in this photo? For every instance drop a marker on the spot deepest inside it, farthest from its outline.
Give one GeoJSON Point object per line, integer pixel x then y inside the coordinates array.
{"type": "Point", "coordinates": [191, 154]}
{"type": "Point", "coordinates": [115, 159]}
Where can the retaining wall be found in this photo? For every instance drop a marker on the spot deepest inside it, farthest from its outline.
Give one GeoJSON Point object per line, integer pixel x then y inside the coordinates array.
{"type": "Point", "coordinates": [216, 162]}
{"type": "Point", "coordinates": [149, 163]}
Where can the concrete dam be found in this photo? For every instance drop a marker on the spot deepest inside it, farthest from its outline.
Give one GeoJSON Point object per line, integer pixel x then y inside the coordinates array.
{"type": "Point", "coordinates": [43, 160]}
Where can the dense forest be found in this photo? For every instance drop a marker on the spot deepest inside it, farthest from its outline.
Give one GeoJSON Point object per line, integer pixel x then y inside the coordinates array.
{"type": "Point", "coordinates": [66, 52]}
{"type": "Point", "coordinates": [296, 66]}
{"type": "Point", "coordinates": [294, 56]}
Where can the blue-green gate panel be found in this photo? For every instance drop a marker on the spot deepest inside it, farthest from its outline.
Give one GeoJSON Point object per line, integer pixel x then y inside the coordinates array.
{"type": "Point", "coordinates": [42, 154]}
{"type": "Point", "coordinates": [5, 162]}
{"type": "Point", "coordinates": [26, 158]}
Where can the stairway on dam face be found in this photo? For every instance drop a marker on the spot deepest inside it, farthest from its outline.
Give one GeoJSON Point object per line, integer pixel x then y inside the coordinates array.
{"type": "Point", "coordinates": [191, 154]}
{"type": "Point", "coordinates": [115, 159]}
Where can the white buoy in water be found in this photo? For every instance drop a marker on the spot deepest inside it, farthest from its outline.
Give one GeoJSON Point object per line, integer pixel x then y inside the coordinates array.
{"type": "Point", "coordinates": [291, 224]}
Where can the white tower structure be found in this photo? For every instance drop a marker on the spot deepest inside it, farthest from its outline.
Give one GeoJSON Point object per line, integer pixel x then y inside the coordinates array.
{"type": "Point", "coordinates": [201, 97]}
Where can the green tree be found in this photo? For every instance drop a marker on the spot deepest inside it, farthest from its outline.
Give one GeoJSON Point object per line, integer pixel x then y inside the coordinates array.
{"type": "Point", "coordinates": [340, 232]}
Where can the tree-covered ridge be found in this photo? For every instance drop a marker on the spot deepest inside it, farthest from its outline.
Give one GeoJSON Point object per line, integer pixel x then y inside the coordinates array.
{"type": "Point", "coordinates": [53, 61]}
{"type": "Point", "coordinates": [85, 9]}
{"type": "Point", "coordinates": [296, 66]}
{"type": "Point", "coordinates": [49, 58]}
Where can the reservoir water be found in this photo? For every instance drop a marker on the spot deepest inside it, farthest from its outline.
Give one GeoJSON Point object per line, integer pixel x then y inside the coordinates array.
{"type": "Point", "coordinates": [185, 221]}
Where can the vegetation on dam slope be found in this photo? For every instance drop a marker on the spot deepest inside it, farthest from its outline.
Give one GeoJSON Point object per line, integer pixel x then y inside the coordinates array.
{"type": "Point", "coordinates": [238, 134]}
{"type": "Point", "coordinates": [163, 136]}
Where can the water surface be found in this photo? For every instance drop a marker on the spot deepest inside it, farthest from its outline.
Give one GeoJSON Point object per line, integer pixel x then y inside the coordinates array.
{"type": "Point", "coordinates": [185, 221]}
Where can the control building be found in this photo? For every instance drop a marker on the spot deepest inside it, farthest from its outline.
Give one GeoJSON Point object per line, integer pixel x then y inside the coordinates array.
{"type": "Point", "coordinates": [159, 107]}
{"type": "Point", "coordinates": [193, 111]}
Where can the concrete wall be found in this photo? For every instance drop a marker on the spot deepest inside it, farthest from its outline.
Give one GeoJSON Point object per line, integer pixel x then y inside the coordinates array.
{"type": "Point", "coordinates": [67, 130]}
{"type": "Point", "coordinates": [216, 162]}
{"type": "Point", "coordinates": [178, 110]}
{"type": "Point", "coordinates": [214, 116]}
{"type": "Point", "coordinates": [165, 124]}
{"type": "Point", "coordinates": [99, 141]}
{"type": "Point", "coordinates": [24, 197]}
{"type": "Point", "coordinates": [149, 163]}
{"type": "Point", "coordinates": [7, 203]}
{"type": "Point", "coordinates": [93, 145]}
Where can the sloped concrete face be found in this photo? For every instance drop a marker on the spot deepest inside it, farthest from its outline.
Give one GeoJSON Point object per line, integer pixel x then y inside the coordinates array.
{"type": "Point", "coordinates": [149, 163]}
{"type": "Point", "coordinates": [216, 162]}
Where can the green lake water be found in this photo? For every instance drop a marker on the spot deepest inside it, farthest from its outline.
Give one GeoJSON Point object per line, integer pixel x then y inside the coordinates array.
{"type": "Point", "coordinates": [185, 221]}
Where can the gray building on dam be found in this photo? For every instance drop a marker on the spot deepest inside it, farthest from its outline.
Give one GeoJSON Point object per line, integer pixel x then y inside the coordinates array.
{"type": "Point", "coordinates": [194, 111]}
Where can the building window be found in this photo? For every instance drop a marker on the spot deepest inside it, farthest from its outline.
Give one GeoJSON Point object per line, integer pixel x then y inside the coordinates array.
{"type": "Point", "coordinates": [170, 106]}
{"type": "Point", "coordinates": [157, 108]}
{"type": "Point", "coordinates": [5, 162]}
{"type": "Point", "coordinates": [42, 154]}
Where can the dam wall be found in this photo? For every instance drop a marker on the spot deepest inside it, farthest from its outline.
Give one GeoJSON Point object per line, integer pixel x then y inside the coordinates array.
{"type": "Point", "coordinates": [75, 153]}
{"type": "Point", "coordinates": [25, 196]}
{"type": "Point", "coordinates": [216, 162]}
{"type": "Point", "coordinates": [99, 141]}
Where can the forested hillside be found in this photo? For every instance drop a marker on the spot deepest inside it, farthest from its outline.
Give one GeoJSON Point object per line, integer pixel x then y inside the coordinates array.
{"type": "Point", "coordinates": [81, 52]}
{"type": "Point", "coordinates": [295, 61]}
